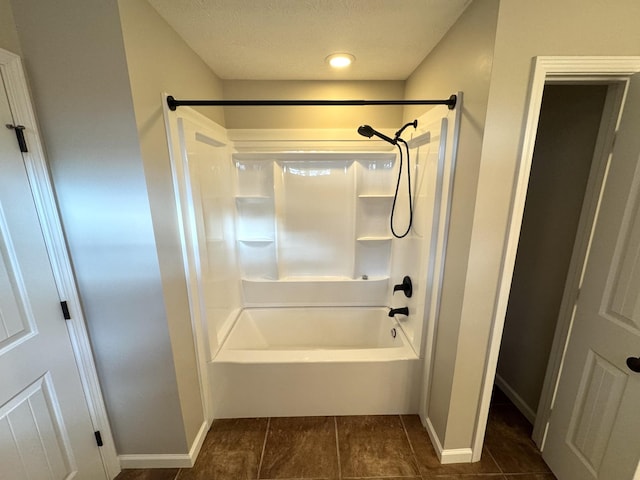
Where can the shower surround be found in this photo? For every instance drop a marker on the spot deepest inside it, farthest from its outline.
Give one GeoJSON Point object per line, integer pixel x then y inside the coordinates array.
{"type": "Point", "coordinates": [312, 232]}
{"type": "Point", "coordinates": [292, 266]}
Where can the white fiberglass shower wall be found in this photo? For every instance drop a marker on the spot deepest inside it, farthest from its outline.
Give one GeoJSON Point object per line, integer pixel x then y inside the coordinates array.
{"type": "Point", "coordinates": [311, 227]}
{"type": "Point", "coordinates": [292, 264]}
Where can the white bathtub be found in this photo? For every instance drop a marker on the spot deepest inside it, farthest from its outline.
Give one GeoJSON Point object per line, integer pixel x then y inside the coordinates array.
{"type": "Point", "coordinates": [314, 361]}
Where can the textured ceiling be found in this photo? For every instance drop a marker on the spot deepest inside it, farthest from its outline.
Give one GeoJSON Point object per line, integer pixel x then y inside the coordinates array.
{"type": "Point", "coordinates": [290, 39]}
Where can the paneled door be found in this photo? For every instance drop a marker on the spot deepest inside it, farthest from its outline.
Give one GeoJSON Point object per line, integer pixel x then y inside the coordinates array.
{"type": "Point", "coordinates": [45, 427]}
{"type": "Point", "coordinates": [594, 428]}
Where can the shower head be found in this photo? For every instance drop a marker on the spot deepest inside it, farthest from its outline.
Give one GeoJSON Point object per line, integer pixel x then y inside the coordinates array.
{"type": "Point", "coordinates": [368, 131]}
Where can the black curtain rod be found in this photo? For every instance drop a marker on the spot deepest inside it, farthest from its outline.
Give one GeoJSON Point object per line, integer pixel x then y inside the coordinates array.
{"type": "Point", "coordinates": [173, 103]}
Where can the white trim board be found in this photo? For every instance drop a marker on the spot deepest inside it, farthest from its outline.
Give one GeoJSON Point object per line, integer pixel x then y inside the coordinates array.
{"type": "Point", "coordinates": [545, 69]}
{"type": "Point", "coordinates": [188, 241]}
{"type": "Point", "coordinates": [44, 199]}
{"type": "Point", "coordinates": [449, 150]}
{"type": "Point", "coordinates": [453, 455]}
{"type": "Point", "coordinates": [184, 460]}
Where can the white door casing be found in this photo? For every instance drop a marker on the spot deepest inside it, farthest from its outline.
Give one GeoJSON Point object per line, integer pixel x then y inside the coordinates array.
{"type": "Point", "coordinates": [572, 69]}
{"type": "Point", "coordinates": [50, 399]}
{"type": "Point", "coordinates": [594, 426]}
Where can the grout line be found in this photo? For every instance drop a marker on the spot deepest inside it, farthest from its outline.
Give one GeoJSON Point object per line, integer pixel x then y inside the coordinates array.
{"type": "Point", "coordinates": [493, 458]}
{"type": "Point", "coordinates": [335, 424]}
{"type": "Point", "coordinates": [413, 452]}
{"type": "Point", "coordinates": [177, 474]}
{"type": "Point", "coordinates": [264, 445]}
{"type": "Point", "coordinates": [393, 477]}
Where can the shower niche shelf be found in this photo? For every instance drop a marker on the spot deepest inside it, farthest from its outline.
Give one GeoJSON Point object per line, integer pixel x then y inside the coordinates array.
{"type": "Point", "coordinates": [258, 259]}
{"type": "Point", "coordinates": [254, 176]}
{"type": "Point", "coordinates": [372, 217]}
{"type": "Point", "coordinates": [372, 257]}
{"type": "Point", "coordinates": [374, 177]}
{"type": "Point", "coordinates": [256, 241]}
{"type": "Point", "coordinates": [253, 198]}
{"type": "Point", "coordinates": [255, 217]}
{"type": "Point", "coordinates": [374, 239]}
{"type": "Point", "coordinates": [375, 197]}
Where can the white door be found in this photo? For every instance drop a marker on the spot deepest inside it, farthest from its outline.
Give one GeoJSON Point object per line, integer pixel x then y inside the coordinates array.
{"type": "Point", "coordinates": [594, 429]}
{"type": "Point", "coordinates": [45, 427]}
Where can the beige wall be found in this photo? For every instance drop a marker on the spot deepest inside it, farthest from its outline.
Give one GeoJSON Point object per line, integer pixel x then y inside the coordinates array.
{"type": "Point", "coordinates": [159, 61]}
{"type": "Point", "coordinates": [567, 132]}
{"type": "Point", "coordinates": [8, 34]}
{"type": "Point", "coordinates": [75, 60]}
{"type": "Point", "coordinates": [525, 30]}
{"type": "Point", "coordinates": [460, 62]}
{"type": "Point", "coordinates": [313, 117]}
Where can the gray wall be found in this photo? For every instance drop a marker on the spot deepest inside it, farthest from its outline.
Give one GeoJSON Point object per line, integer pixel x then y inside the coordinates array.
{"type": "Point", "coordinates": [75, 61]}
{"type": "Point", "coordinates": [313, 117]}
{"type": "Point", "coordinates": [8, 34]}
{"type": "Point", "coordinates": [525, 30]}
{"type": "Point", "coordinates": [567, 132]}
{"type": "Point", "coordinates": [460, 62]}
{"type": "Point", "coordinates": [159, 62]}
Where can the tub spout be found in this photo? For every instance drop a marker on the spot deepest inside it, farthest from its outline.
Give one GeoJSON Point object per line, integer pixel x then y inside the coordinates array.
{"type": "Point", "coordinates": [401, 311]}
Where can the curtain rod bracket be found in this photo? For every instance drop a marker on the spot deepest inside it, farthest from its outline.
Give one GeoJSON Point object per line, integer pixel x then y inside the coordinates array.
{"type": "Point", "coordinates": [172, 103]}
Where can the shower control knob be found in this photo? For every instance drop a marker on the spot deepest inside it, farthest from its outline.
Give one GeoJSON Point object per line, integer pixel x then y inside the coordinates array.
{"type": "Point", "coordinates": [405, 287]}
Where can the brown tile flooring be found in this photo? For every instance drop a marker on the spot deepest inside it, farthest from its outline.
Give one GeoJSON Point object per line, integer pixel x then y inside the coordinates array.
{"type": "Point", "coordinates": [389, 447]}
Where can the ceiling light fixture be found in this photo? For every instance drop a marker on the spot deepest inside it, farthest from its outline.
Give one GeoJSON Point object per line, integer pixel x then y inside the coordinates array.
{"type": "Point", "coordinates": [340, 60]}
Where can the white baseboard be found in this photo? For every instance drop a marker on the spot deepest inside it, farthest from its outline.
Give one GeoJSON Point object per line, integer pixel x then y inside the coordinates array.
{"type": "Point", "coordinates": [456, 455]}
{"type": "Point", "coordinates": [180, 460]}
{"type": "Point", "coordinates": [446, 456]}
{"type": "Point", "coordinates": [156, 461]}
{"type": "Point", "coordinates": [435, 441]}
{"type": "Point", "coordinates": [517, 400]}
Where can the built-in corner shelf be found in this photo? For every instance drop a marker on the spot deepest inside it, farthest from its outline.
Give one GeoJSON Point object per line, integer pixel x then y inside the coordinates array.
{"type": "Point", "coordinates": [255, 219]}
{"type": "Point", "coordinates": [374, 239]}
{"type": "Point", "coordinates": [256, 241]}
{"type": "Point", "coordinates": [383, 196]}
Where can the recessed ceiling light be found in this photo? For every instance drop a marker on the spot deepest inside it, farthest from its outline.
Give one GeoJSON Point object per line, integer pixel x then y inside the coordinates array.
{"type": "Point", "coordinates": [340, 60]}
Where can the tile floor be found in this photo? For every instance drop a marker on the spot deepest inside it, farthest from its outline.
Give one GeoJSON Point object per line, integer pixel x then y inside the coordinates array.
{"type": "Point", "coordinates": [389, 447]}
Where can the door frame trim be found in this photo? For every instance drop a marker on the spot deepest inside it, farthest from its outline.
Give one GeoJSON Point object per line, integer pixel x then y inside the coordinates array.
{"type": "Point", "coordinates": [46, 207]}
{"type": "Point", "coordinates": [609, 119]}
{"type": "Point", "coordinates": [575, 68]}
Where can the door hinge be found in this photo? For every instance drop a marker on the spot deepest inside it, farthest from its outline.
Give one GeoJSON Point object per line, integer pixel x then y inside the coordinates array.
{"type": "Point", "coordinates": [98, 438]}
{"type": "Point", "coordinates": [19, 129]}
{"type": "Point", "coordinates": [65, 310]}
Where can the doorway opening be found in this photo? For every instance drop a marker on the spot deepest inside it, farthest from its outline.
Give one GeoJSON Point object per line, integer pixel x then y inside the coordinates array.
{"type": "Point", "coordinates": [572, 130]}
